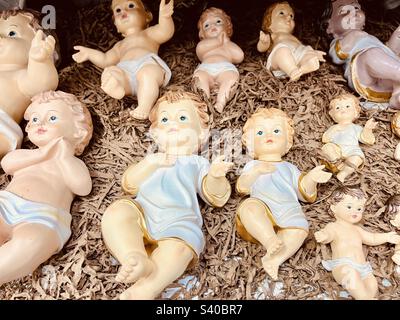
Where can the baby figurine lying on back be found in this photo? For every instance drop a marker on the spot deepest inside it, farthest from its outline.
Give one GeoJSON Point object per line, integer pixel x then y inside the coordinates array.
{"type": "Point", "coordinates": [34, 208]}
{"type": "Point", "coordinates": [26, 69]}
{"type": "Point", "coordinates": [132, 66]}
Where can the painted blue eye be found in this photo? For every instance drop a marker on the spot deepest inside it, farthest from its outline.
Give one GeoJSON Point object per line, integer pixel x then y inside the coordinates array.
{"type": "Point", "coordinates": [260, 133]}
{"type": "Point", "coordinates": [183, 118]}
{"type": "Point", "coordinates": [164, 120]}
{"type": "Point", "coordinates": [53, 119]}
{"type": "Point", "coordinates": [12, 34]}
{"type": "Point", "coordinates": [35, 120]}
{"type": "Point", "coordinates": [277, 131]}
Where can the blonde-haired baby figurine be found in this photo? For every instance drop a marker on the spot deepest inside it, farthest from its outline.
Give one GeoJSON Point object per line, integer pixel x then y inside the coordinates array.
{"type": "Point", "coordinates": [164, 217]}
{"type": "Point", "coordinates": [272, 215]}
{"type": "Point", "coordinates": [288, 57]}
{"type": "Point", "coordinates": [217, 54]}
{"type": "Point", "coordinates": [341, 141]}
{"type": "Point", "coordinates": [348, 265]}
{"type": "Point", "coordinates": [35, 214]}
{"type": "Point", "coordinates": [132, 66]}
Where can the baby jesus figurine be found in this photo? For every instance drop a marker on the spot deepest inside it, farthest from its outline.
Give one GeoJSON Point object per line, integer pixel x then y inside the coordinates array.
{"type": "Point", "coordinates": [342, 149]}
{"type": "Point", "coordinates": [273, 215]}
{"type": "Point", "coordinates": [348, 265]}
{"type": "Point", "coordinates": [132, 66]}
{"type": "Point", "coordinates": [34, 208]}
{"type": "Point", "coordinates": [26, 69]}
{"type": "Point", "coordinates": [288, 56]}
{"type": "Point", "coordinates": [217, 54]}
{"type": "Point", "coordinates": [396, 131]}
{"type": "Point", "coordinates": [372, 68]}
{"type": "Point", "coordinates": [165, 215]}
{"type": "Point", "coordinates": [393, 210]}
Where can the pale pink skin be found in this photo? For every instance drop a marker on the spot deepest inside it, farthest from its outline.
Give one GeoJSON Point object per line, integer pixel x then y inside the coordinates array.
{"type": "Point", "coordinates": [376, 69]}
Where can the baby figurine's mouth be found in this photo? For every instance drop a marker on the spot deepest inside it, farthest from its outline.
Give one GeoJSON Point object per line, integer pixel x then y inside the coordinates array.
{"type": "Point", "coordinates": [41, 131]}
{"type": "Point", "coordinates": [269, 141]}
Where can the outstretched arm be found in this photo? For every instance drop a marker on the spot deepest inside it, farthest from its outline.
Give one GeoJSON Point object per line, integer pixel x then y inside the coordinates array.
{"type": "Point", "coordinates": [367, 135]}
{"type": "Point", "coordinates": [165, 28]}
{"type": "Point", "coordinates": [41, 74]}
{"type": "Point", "coordinates": [308, 183]}
{"type": "Point", "coordinates": [376, 239]}
{"type": "Point", "coordinates": [98, 58]}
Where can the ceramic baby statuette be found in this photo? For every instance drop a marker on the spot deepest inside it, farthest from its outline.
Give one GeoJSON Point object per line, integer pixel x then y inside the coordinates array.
{"type": "Point", "coordinates": [348, 265]}
{"type": "Point", "coordinates": [288, 57]}
{"type": "Point", "coordinates": [34, 208]}
{"type": "Point", "coordinates": [396, 131]}
{"type": "Point", "coordinates": [341, 141]}
{"type": "Point", "coordinates": [372, 68]}
{"type": "Point", "coordinates": [272, 215]}
{"type": "Point", "coordinates": [217, 54]}
{"type": "Point", "coordinates": [165, 211]}
{"type": "Point", "coordinates": [26, 69]}
{"type": "Point", "coordinates": [132, 66]}
{"type": "Point", "coordinates": [393, 210]}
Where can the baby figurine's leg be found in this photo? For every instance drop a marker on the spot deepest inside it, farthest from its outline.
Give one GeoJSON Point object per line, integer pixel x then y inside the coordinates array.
{"type": "Point", "coordinates": [203, 81]}
{"type": "Point", "coordinates": [351, 165]}
{"type": "Point", "coordinates": [115, 82]}
{"type": "Point", "coordinates": [254, 218]}
{"type": "Point", "coordinates": [171, 259]}
{"type": "Point", "coordinates": [292, 239]}
{"type": "Point", "coordinates": [227, 81]}
{"type": "Point", "coordinates": [332, 152]}
{"type": "Point", "coordinates": [351, 280]}
{"type": "Point", "coordinates": [31, 245]}
{"type": "Point", "coordinates": [5, 232]}
{"type": "Point", "coordinates": [283, 60]}
{"type": "Point", "coordinates": [124, 238]}
{"type": "Point", "coordinates": [149, 78]}
{"type": "Point", "coordinates": [4, 145]}
{"type": "Point", "coordinates": [371, 284]}
{"type": "Point", "coordinates": [309, 63]}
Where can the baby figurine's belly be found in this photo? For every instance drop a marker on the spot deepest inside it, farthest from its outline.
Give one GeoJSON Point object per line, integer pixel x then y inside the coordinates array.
{"type": "Point", "coordinates": [350, 249]}
{"type": "Point", "coordinates": [11, 100]}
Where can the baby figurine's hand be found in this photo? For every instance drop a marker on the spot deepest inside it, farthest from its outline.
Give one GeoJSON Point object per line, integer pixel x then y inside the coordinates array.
{"type": "Point", "coordinates": [42, 47]}
{"type": "Point", "coordinates": [371, 124]}
{"type": "Point", "coordinates": [396, 221]}
{"type": "Point", "coordinates": [393, 237]}
{"type": "Point", "coordinates": [321, 236]}
{"type": "Point", "coordinates": [264, 38]}
{"type": "Point", "coordinates": [318, 174]}
{"type": "Point", "coordinates": [264, 168]}
{"type": "Point", "coordinates": [219, 168]}
{"type": "Point", "coordinates": [82, 55]}
{"type": "Point", "coordinates": [166, 10]}
{"type": "Point", "coordinates": [320, 55]}
{"type": "Point", "coordinates": [161, 160]}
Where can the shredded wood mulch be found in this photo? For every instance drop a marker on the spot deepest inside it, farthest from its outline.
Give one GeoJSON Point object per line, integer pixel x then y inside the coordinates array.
{"type": "Point", "coordinates": [229, 268]}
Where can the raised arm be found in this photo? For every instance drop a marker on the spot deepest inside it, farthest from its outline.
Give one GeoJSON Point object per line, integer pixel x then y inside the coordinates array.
{"type": "Point", "coordinates": [367, 135]}
{"type": "Point", "coordinates": [376, 239]}
{"type": "Point", "coordinates": [41, 74]}
{"type": "Point", "coordinates": [264, 42]}
{"type": "Point", "coordinates": [98, 58]}
{"type": "Point", "coordinates": [325, 235]}
{"type": "Point", "coordinates": [165, 28]}
{"type": "Point", "coordinates": [308, 183]}
{"type": "Point", "coordinates": [76, 175]}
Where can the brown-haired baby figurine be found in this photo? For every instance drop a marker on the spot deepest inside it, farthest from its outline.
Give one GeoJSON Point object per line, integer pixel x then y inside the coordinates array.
{"type": "Point", "coordinates": [272, 215]}
{"type": "Point", "coordinates": [217, 54]}
{"type": "Point", "coordinates": [26, 69]}
{"type": "Point", "coordinates": [348, 265]}
{"type": "Point", "coordinates": [393, 210]}
{"type": "Point", "coordinates": [132, 66]}
{"type": "Point", "coordinates": [165, 215]}
{"type": "Point", "coordinates": [396, 130]}
{"type": "Point", "coordinates": [35, 207]}
{"type": "Point", "coordinates": [288, 57]}
{"type": "Point", "coordinates": [341, 141]}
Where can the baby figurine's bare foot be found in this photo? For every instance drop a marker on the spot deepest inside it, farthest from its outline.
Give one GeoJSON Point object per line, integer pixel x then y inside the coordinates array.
{"type": "Point", "coordinates": [342, 175]}
{"type": "Point", "coordinates": [219, 106]}
{"type": "Point", "coordinates": [112, 82]}
{"type": "Point", "coordinates": [275, 245]}
{"type": "Point", "coordinates": [138, 292]}
{"type": "Point", "coordinates": [295, 75]}
{"type": "Point", "coordinates": [140, 114]}
{"type": "Point", "coordinates": [271, 267]}
{"type": "Point", "coordinates": [137, 265]}
{"type": "Point", "coordinates": [396, 258]}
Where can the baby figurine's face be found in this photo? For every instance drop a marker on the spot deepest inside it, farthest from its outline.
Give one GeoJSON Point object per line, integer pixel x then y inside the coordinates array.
{"type": "Point", "coordinates": [270, 136]}
{"type": "Point", "coordinates": [213, 26]}
{"type": "Point", "coordinates": [282, 19]}
{"type": "Point", "coordinates": [178, 126]}
{"type": "Point", "coordinates": [49, 121]}
{"type": "Point", "coordinates": [349, 209]}
{"type": "Point", "coordinates": [344, 111]}
{"type": "Point", "coordinates": [16, 36]}
{"type": "Point", "coordinates": [129, 14]}
{"type": "Point", "coordinates": [346, 15]}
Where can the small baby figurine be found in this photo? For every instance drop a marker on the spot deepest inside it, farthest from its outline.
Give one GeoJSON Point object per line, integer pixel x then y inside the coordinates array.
{"type": "Point", "coordinates": [288, 56]}
{"type": "Point", "coordinates": [342, 139]}
{"type": "Point", "coordinates": [132, 66]}
{"type": "Point", "coordinates": [217, 54]}
{"type": "Point", "coordinates": [393, 210]}
{"type": "Point", "coordinates": [396, 131]}
{"type": "Point", "coordinates": [26, 69]}
{"type": "Point", "coordinates": [273, 215]}
{"type": "Point", "coordinates": [372, 68]}
{"type": "Point", "coordinates": [165, 213]}
{"type": "Point", "coordinates": [348, 265]}
{"type": "Point", "coordinates": [34, 208]}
